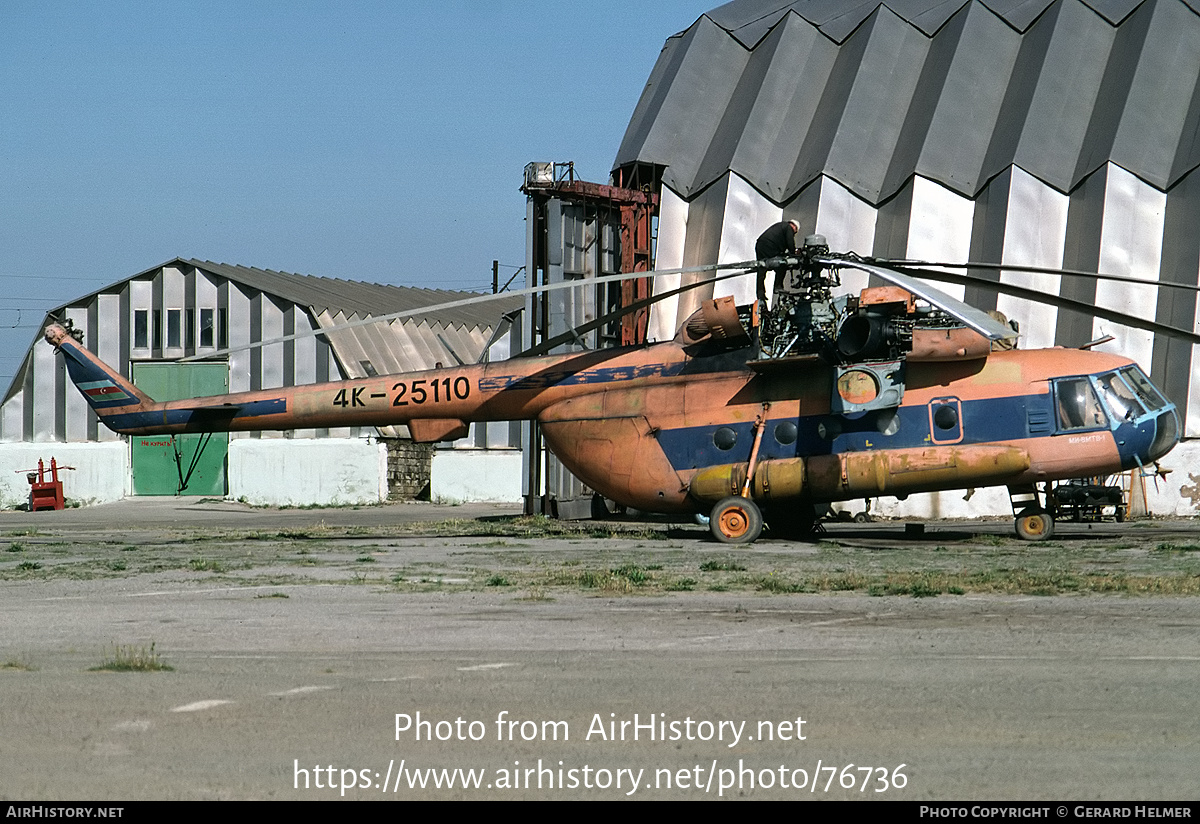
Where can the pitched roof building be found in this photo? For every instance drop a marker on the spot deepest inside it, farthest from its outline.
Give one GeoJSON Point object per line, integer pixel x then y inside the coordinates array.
{"type": "Point", "coordinates": [220, 315]}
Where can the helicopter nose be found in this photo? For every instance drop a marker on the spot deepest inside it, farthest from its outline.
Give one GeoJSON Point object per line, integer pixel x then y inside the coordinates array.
{"type": "Point", "coordinates": [1149, 439]}
{"type": "Point", "coordinates": [1166, 435]}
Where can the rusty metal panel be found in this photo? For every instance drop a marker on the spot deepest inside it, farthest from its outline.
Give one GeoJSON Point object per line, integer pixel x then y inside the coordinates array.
{"type": "Point", "coordinates": [567, 239]}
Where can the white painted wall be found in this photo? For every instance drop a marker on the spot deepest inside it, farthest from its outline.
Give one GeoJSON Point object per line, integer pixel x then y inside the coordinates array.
{"type": "Point", "coordinates": [476, 475]}
{"type": "Point", "coordinates": [101, 473]}
{"type": "Point", "coordinates": [987, 501]}
{"type": "Point", "coordinates": [280, 472]}
{"type": "Point", "coordinates": [1179, 492]}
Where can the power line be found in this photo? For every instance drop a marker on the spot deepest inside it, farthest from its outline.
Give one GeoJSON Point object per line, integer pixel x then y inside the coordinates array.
{"type": "Point", "coordinates": [52, 277]}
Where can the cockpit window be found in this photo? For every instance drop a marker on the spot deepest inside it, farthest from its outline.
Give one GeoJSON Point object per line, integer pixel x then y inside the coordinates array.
{"type": "Point", "coordinates": [1078, 406]}
{"type": "Point", "coordinates": [1119, 398]}
{"type": "Point", "coordinates": [1149, 396]}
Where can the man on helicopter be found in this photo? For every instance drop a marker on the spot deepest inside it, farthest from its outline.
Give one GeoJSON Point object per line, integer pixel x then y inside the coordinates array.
{"type": "Point", "coordinates": [777, 241]}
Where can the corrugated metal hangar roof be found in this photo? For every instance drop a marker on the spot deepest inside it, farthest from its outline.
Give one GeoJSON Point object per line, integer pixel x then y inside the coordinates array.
{"type": "Point", "coordinates": [348, 297]}
{"type": "Point", "coordinates": [352, 297]}
{"type": "Point", "coordinates": [749, 20]}
{"type": "Point", "coordinates": [870, 94]}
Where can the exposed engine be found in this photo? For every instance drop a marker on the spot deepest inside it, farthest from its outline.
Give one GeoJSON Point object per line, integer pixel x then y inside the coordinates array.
{"type": "Point", "coordinates": [876, 325]}
{"type": "Point", "coordinates": [868, 338]}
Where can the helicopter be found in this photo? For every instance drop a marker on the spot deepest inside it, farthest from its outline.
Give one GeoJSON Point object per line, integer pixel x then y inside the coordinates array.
{"type": "Point", "coordinates": [753, 416]}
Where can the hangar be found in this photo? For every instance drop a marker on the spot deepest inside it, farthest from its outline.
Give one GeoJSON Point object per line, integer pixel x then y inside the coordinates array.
{"type": "Point", "coordinates": [147, 323]}
{"type": "Point", "coordinates": [1054, 133]}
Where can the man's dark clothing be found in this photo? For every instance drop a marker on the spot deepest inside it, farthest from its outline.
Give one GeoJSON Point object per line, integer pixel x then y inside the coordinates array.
{"type": "Point", "coordinates": [777, 241]}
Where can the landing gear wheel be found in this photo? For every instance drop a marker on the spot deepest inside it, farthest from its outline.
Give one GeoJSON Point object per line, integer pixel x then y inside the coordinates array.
{"type": "Point", "coordinates": [1034, 524]}
{"type": "Point", "coordinates": [736, 520]}
{"type": "Point", "coordinates": [1120, 515]}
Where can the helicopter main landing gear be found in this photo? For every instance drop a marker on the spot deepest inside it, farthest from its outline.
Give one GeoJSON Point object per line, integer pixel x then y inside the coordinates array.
{"type": "Point", "coordinates": [736, 520]}
{"type": "Point", "coordinates": [1033, 522]}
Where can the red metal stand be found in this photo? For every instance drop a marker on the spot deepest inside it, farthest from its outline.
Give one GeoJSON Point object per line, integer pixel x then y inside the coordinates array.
{"type": "Point", "coordinates": [45, 494]}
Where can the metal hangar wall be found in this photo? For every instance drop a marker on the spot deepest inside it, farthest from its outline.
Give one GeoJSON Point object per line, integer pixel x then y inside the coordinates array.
{"type": "Point", "coordinates": [1055, 133]}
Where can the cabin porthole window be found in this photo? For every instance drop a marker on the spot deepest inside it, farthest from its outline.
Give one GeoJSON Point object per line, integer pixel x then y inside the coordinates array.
{"type": "Point", "coordinates": [829, 429]}
{"type": "Point", "coordinates": [785, 432]}
{"type": "Point", "coordinates": [946, 417]}
{"type": "Point", "coordinates": [725, 438]}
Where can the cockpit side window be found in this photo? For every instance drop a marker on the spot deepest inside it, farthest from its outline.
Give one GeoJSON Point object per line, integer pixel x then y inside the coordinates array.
{"type": "Point", "coordinates": [1146, 392]}
{"type": "Point", "coordinates": [1119, 398]}
{"type": "Point", "coordinates": [1078, 406]}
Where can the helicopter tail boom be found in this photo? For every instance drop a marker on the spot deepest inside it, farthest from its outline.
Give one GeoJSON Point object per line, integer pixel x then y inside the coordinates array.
{"type": "Point", "coordinates": [102, 387]}
{"type": "Point", "coordinates": [436, 404]}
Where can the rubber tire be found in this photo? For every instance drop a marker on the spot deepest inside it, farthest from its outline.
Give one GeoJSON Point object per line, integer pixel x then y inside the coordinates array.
{"type": "Point", "coordinates": [1034, 524]}
{"type": "Point", "coordinates": [736, 520]}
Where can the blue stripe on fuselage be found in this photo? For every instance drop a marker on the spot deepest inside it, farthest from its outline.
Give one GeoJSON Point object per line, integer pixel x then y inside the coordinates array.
{"type": "Point", "coordinates": [199, 418]}
{"type": "Point", "coordinates": [573, 377]}
{"type": "Point", "coordinates": [983, 421]}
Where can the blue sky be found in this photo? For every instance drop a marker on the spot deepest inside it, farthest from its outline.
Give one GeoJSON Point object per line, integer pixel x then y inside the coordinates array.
{"type": "Point", "coordinates": [379, 141]}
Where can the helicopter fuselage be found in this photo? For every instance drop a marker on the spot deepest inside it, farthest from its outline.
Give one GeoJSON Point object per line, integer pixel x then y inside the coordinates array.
{"type": "Point", "coordinates": [671, 428]}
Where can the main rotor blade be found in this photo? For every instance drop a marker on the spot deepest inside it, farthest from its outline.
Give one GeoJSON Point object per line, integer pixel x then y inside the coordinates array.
{"type": "Point", "coordinates": [745, 265]}
{"type": "Point", "coordinates": [572, 334]}
{"type": "Point", "coordinates": [1057, 300]}
{"type": "Point", "coordinates": [977, 319]}
{"type": "Point", "coordinates": [1037, 270]}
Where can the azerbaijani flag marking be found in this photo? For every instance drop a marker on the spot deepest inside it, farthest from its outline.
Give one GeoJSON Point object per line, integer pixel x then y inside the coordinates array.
{"type": "Point", "coordinates": [105, 393]}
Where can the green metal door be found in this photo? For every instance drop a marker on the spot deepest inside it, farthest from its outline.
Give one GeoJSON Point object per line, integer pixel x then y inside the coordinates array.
{"type": "Point", "coordinates": [156, 471]}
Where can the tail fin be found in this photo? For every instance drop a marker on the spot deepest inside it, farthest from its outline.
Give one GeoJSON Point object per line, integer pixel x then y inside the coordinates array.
{"type": "Point", "coordinates": [105, 389]}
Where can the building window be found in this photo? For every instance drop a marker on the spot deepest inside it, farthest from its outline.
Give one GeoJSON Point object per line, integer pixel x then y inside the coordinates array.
{"type": "Point", "coordinates": [141, 329]}
{"type": "Point", "coordinates": [174, 330]}
{"type": "Point", "coordinates": [206, 328]}
{"type": "Point", "coordinates": [222, 328]}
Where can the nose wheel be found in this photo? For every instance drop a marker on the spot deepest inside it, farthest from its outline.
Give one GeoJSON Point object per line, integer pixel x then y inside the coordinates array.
{"type": "Point", "coordinates": [1034, 524]}
{"type": "Point", "coordinates": [1033, 521]}
{"type": "Point", "coordinates": [736, 520]}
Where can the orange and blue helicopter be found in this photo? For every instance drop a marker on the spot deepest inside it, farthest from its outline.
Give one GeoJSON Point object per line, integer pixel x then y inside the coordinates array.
{"type": "Point", "coordinates": [751, 416]}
